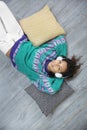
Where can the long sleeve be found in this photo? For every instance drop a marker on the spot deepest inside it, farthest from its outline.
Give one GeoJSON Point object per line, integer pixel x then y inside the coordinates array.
{"type": "Point", "coordinates": [61, 47]}
{"type": "Point", "coordinates": [33, 60]}
{"type": "Point", "coordinates": [48, 85]}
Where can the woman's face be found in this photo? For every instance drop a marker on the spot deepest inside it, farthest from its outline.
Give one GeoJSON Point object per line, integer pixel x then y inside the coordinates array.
{"type": "Point", "coordinates": [57, 66]}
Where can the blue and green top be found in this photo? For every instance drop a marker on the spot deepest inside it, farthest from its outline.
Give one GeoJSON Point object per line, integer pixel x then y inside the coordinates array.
{"type": "Point", "coordinates": [30, 60]}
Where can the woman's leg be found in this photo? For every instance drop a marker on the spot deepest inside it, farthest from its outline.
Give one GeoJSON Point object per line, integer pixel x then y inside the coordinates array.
{"type": "Point", "coordinates": [10, 30]}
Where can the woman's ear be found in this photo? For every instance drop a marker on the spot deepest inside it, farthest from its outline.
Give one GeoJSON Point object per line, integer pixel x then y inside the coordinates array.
{"type": "Point", "coordinates": [59, 58]}
{"type": "Point", "coordinates": [58, 75]}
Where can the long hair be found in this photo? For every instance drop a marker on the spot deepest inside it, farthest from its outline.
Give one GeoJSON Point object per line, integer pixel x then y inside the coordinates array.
{"type": "Point", "coordinates": [72, 66]}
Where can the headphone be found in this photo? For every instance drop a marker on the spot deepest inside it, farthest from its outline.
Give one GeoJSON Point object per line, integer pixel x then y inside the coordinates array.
{"type": "Point", "coordinates": [59, 75]}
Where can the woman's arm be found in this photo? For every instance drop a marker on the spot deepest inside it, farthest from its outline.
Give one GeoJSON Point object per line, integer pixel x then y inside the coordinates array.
{"type": "Point", "coordinates": [61, 47]}
{"type": "Point", "coordinates": [48, 85]}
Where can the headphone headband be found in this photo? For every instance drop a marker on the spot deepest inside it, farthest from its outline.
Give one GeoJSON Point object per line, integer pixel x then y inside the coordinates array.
{"type": "Point", "coordinates": [59, 75]}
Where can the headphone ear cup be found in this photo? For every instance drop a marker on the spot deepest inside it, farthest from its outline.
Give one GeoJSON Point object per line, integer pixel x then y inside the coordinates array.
{"type": "Point", "coordinates": [58, 75]}
{"type": "Point", "coordinates": [59, 58]}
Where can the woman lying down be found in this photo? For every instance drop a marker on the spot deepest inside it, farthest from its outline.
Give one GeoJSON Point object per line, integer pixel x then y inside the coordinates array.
{"type": "Point", "coordinates": [47, 65]}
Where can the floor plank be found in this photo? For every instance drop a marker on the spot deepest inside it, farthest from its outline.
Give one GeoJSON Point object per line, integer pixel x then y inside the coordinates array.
{"type": "Point", "coordinates": [18, 111]}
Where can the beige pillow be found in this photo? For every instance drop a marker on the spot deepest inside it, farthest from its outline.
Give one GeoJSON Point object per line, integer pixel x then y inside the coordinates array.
{"type": "Point", "coordinates": [41, 26]}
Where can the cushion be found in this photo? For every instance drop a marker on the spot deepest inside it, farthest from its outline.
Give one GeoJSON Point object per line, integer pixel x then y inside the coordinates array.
{"type": "Point", "coordinates": [47, 103]}
{"type": "Point", "coordinates": [41, 26]}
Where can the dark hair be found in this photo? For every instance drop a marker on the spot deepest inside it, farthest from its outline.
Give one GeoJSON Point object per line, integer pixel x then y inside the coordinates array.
{"type": "Point", "coordinates": [72, 67]}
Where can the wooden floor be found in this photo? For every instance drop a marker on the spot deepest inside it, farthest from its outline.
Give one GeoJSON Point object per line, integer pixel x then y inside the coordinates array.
{"type": "Point", "coordinates": [18, 111]}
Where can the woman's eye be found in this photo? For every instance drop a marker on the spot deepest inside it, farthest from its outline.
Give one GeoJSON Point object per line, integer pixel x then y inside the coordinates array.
{"type": "Point", "coordinates": [60, 62]}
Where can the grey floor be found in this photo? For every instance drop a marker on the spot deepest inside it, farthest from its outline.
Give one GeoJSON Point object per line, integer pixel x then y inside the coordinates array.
{"type": "Point", "coordinates": [18, 111]}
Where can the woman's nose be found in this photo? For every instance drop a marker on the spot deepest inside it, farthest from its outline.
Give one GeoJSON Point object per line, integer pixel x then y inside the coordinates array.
{"type": "Point", "coordinates": [57, 63]}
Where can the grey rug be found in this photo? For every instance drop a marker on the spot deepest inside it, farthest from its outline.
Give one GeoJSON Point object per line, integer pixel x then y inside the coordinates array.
{"type": "Point", "coordinates": [47, 103]}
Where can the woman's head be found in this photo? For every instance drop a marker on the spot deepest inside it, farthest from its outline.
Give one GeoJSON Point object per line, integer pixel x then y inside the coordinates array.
{"type": "Point", "coordinates": [64, 66]}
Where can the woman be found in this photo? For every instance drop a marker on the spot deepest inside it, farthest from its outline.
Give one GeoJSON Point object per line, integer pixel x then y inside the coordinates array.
{"type": "Point", "coordinates": [46, 65]}
{"type": "Point", "coordinates": [40, 64]}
